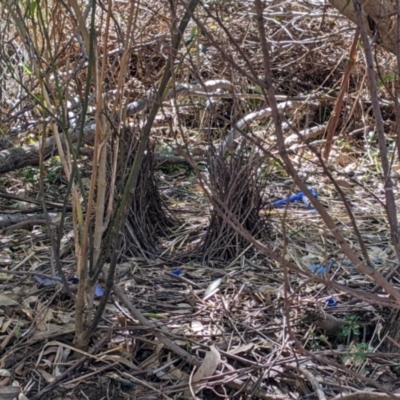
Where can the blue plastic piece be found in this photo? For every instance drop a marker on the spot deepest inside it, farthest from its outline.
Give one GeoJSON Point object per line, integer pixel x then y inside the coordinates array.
{"type": "Point", "coordinates": [74, 280]}
{"type": "Point", "coordinates": [331, 302]}
{"type": "Point", "coordinates": [177, 272]}
{"type": "Point", "coordinates": [321, 269]}
{"type": "Point", "coordinates": [296, 197]}
{"type": "Point", "coordinates": [98, 291]}
{"type": "Point", "coordinates": [318, 269]}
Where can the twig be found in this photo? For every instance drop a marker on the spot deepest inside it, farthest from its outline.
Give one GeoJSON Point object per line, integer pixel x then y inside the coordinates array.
{"type": "Point", "coordinates": [339, 102]}
{"type": "Point", "coordinates": [316, 386]}
{"type": "Point", "coordinates": [71, 369]}
{"type": "Point", "coordinates": [366, 396]}
{"type": "Point", "coordinates": [33, 273]}
{"type": "Point", "coordinates": [144, 321]}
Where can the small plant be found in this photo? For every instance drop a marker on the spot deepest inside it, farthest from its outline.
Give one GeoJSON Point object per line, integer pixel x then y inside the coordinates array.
{"type": "Point", "coordinates": [396, 369]}
{"type": "Point", "coordinates": [351, 327]}
{"type": "Point", "coordinates": [390, 78]}
{"type": "Point", "coordinates": [31, 175]}
{"type": "Point", "coordinates": [318, 342]}
{"type": "Point", "coordinates": [356, 354]}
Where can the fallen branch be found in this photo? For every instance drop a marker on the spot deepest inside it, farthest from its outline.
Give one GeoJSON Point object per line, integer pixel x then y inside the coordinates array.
{"type": "Point", "coordinates": [305, 134]}
{"type": "Point", "coordinates": [16, 221]}
{"type": "Point", "coordinates": [260, 115]}
{"type": "Point", "coordinates": [314, 383]}
{"type": "Point", "coordinates": [19, 157]}
{"type": "Point", "coordinates": [366, 396]}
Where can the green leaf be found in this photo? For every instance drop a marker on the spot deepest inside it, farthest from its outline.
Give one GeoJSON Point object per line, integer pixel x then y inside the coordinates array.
{"type": "Point", "coordinates": [257, 89]}
{"type": "Point", "coordinates": [26, 68]}
{"type": "Point", "coordinates": [193, 35]}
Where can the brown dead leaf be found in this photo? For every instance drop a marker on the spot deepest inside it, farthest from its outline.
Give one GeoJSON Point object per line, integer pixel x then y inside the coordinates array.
{"type": "Point", "coordinates": [5, 325]}
{"type": "Point", "coordinates": [47, 377]}
{"type": "Point", "coordinates": [153, 361]}
{"type": "Point", "coordinates": [52, 330]}
{"type": "Point", "coordinates": [207, 368]}
{"type": "Point", "coordinates": [181, 376]}
{"type": "Point", "coordinates": [18, 370]}
{"type": "Point", "coordinates": [5, 381]}
{"type": "Point", "coordinates": [8, 338]}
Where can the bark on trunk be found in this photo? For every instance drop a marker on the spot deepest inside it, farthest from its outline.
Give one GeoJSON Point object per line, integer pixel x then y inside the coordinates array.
{"type": "Point", "coordinates": [379, 18]}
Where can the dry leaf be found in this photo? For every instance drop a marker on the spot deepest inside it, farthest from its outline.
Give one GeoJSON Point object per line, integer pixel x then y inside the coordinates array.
{"type": "Point", "coordinates": [52, 330]}
{"type": "Point", "coordinates": [64, 318]}
{"type": "Point", "coordinates": [181, 376]}
{"type": "Point", "coordinates": [198, 273]}
{"type": "Point", "coordinates": [197, 326]}
{"type": "Point", "coordinates": [6, 340]}
{"type": "Point", "coordinates": [212, 287]}
{"type": "Point", "coordinates": [118, 359]}
{"type": "Point", "coordinates": [242, 349]}
{"type": "Point", "coordinates": [5, 382]}
{"type": "Point", "coordinates": [207, 368]}
{"type": "Point", "coordinates": [47, 377]}
{"type": "Point", "coordinates": [5, 325]}
{"type": "Point", "coordinates": [9, 392]}
{"type": "Point", "coordinates": [7, 301]}
{"type": "Point", "coordinates": [44, 316]}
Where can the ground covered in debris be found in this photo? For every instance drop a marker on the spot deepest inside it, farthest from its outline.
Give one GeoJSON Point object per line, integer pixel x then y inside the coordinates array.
{"type": "Point", "coordinates": [263, 331]}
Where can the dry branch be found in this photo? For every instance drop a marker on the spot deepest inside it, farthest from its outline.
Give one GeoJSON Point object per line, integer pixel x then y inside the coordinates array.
{"type": "Point", "coordinates": [366, 396]}
{"type": "Point", "coordinates": [20, 157]}
{"type": "Point", "coordinates": [259, 115]}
